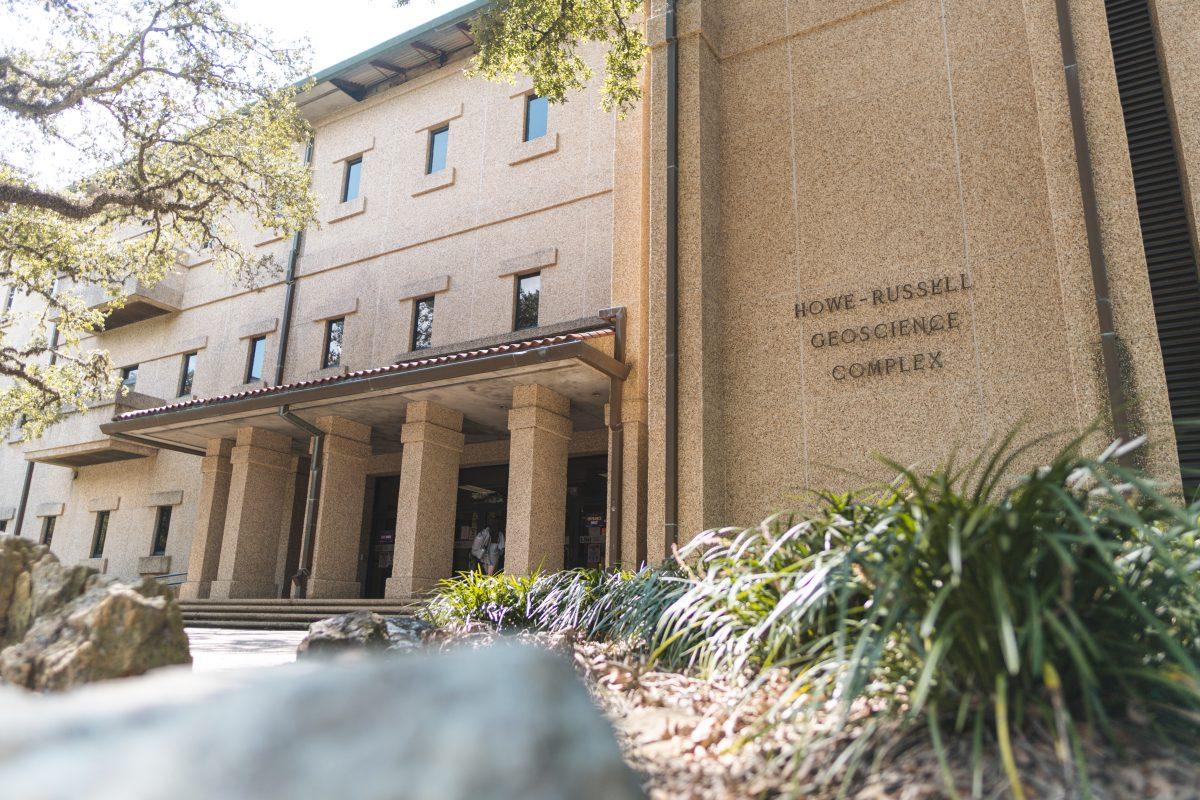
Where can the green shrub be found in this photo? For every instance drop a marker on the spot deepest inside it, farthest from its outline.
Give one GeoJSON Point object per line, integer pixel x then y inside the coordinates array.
{"type": "Point", "coordinates": [472, 597]}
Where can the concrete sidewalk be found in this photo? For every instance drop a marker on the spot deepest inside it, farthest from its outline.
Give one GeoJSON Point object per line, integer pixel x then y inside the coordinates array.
{"type": "Point", "coordinates": [227, 648]}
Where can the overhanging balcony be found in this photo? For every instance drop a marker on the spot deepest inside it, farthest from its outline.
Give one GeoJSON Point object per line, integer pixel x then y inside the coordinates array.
{"type": "Point", "coordinates": [141, 301]}
{"type": "Point", "coordinates": [77, 441]}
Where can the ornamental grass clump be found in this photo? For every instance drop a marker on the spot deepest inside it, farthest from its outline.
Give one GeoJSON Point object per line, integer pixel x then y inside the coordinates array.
{"type": "Point", "coordinates": [1064, 602]}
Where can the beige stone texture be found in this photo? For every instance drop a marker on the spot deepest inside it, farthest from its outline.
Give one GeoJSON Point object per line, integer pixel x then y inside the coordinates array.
{"type": "Point", "coordinates": [345, 451]}
{"type": "Point", "coordinates": [208, 532]}
{"type": "Point", "coordinates": [433, 445]}
{"type": "Point", "coordinates": [540, 432]}
{"type": "Point", "coordinates": [259, 492]}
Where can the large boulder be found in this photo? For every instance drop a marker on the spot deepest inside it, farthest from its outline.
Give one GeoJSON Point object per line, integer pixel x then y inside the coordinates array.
{"type": "Point", "coordinates": [502, 723]}
{"type": "Point", "coordinates": [62, 626]}
{"type": "Point", "coordinates": [359, 630]}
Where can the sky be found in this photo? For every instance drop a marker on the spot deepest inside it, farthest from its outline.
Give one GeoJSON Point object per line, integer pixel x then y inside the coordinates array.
{"type": "Point", "coordinates": [338, 29]}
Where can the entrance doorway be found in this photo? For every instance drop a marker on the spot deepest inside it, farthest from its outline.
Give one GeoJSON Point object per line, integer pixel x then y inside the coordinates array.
{"type": "Point", "coordinates": [587, 498]}
{"type": "Point", "coordinates": [382, 543]}
{"type": "Point", "coordinates": [482, 500]}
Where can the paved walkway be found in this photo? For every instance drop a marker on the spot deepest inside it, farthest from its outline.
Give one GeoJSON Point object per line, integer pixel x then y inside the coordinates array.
{"type": "Point", "coordinates": [226, 648]}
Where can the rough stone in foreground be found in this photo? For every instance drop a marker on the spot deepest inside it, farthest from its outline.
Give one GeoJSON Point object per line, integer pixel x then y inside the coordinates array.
{"type": "Point", "coordinates": [62, 626]}
{"type": "Point", "coordinates": [358, 630]}
{"type": "Point", "coordinates": [497, 723]}
{"type": "Point", "coordinates": [407, 633]}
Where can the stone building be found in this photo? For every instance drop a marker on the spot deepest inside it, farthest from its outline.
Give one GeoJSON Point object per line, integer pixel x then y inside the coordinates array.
{"type": "Point", "coordinates": [897, 228]}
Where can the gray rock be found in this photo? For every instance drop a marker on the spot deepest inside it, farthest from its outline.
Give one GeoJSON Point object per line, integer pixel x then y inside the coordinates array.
{"type": "Point", "coordinates": [498, 723]}
{"type": "Point", "coordinates": [359, 630]}
{"type": "Point", "coordinates": [63, 626]}
{"type": "Point", "coordinates": [407, 633]}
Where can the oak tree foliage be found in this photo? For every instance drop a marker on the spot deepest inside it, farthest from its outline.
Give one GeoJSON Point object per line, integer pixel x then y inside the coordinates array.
{"type": "Point", "coordinates": [168, 124]}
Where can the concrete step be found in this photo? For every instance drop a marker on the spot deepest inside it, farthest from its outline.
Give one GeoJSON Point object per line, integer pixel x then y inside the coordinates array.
{"type": "Point", "coordinates": [279, 614]}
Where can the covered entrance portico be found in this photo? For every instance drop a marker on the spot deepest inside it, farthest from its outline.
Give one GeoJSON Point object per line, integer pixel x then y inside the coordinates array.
{"type": "Point", "coordinates": [291, 500]}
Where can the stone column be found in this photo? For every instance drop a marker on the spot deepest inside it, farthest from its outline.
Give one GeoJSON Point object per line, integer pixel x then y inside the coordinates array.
{"type": "Point", "coordinates": [205, 553]}
{"type": "Point", "coordinates": [537, 480]}
{"type": "Point", "coordinates": [433, 444]}
{"type": "Point", "coordinates": [339, 518]}
{"type": "Point", "coordinates": [258, 495]}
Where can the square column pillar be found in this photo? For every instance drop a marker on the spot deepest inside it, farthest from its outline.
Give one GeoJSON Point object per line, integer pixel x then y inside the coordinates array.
{"type": "Point", "coordinates": [205, 553]}
{"type": "Point", "coordinates": [433, 445]}
{"type": "Point", "coordinates": [258, 495]}
{"type": "Point", "coordinates": [344, 457]}
{"type": "Point", "coordinates": [537, 480]}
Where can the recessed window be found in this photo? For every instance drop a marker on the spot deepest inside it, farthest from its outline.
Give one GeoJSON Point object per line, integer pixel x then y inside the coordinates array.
{"type": "Point", "coordinates": [129, 377]}
{"type": "Point", "coordinates": [439, 141]}
{"type": "Point", "coordinates": [9, 298]}
{"type": "Point", "coordinates": [350, 183]}
{"type": "Point", "coordinates": [422, 329]}
{"type": "Point", "coordinates": [3, 525]}
{"type": "Point", "coordinates": [162, 528]}
{"type": "Point", "coordinates": [99, 534]}
{"type": "Point", "coordinates": [48, 530]}
{"type": "Point", "coordinates": [187, 374]}
{"type": "Point", "coordinates": [254, 361]}
{"type": "Point", "coordinates": [529, 291]}
{"type": "Point", "coordinates": [537, 111]}
{"type": "Point", "coordinates": [334, 330]}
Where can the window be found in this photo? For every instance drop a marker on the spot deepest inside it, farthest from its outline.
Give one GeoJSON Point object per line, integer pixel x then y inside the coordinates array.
{"type": "Point", "coordinates": [422, 329]}
{"type": "Point", "coordinates": [537, 110]}
{"type": "Point", "coordinates": [48, 530]}
{"type": "Point", "coordinates": [99, 533]}
{"type": "Point", "coordinates": [439, 140]}
{"type": "Point", "coordinates": [529, 290]}
{"type": "Point", "coordinates": [9, 298]}
{"type": "Point", "coordinates": [334, 329]}
{"type": "Point", "coordinates": [161, 528]}
{"type": "Point", "coordinates": [129, 377]}
{"type": "Point", "coordinates": [254, 362]}
{"type": "Point", "coordinates": [3, 525]}
{"type": "Point", "coordinates": [350, 184]}
{"type": "Point", "coordinates": [187, 374]}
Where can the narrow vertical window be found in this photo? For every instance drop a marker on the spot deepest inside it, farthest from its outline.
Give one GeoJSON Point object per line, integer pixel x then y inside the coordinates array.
{"type": "Point", "coordinates": [439, 141]}
{"type": "Point", "coordinates": [129, 377]}
{"type": "Point", "coordinates": [3, 525]}
{"type": "Point", "coordinates": [9, 298]}
{"type": "Point", "coordinates": [162, 528]}
{"type": "Point", "coordinates": [422, 331]}
{"type": "Point", "coordinates": [187, 374]}
{"type": "Point", "coordinates": [537, 111]}
{"type": "Point", "coordinates": [99, 534]}
{"type": "Point", "coordinates": [350, 183]}
{"type": "Point", "coordinates": [529, 290]}
{"type": "Point", "coordinates": [334, 329]}
{"type": "Point", "coordinates": [254, 361]}
{"type": "Point", "coordinates": [48, 530]}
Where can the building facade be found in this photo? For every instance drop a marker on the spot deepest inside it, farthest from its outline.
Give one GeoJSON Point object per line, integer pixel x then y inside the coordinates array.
{"type": "Point", "coordinates": [899, 228]}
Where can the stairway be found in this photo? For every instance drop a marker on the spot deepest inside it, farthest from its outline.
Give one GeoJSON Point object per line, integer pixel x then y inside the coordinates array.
{"type": "Point", "coordinates": [282, 615]}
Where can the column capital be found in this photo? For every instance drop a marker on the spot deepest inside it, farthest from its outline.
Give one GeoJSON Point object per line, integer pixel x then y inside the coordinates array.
{"type": "Point", "coordinates": [520, 419]}
{"type": "Point", "coordinates": [426, 411]}
{"type": "Point", "coordinates": [345, 428]}
{"type": "Point", "coordinates": [264, 439]}
{"type": "Point", "coordinates": [538, 396]}
{"type": "Point", "coordinates": [218, 447]}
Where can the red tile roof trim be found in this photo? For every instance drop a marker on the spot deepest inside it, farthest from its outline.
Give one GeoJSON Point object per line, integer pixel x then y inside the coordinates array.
{"type": "Point", "coordinates": [400, 366]}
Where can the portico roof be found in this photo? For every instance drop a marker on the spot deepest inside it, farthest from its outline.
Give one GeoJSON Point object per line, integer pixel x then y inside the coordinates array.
{"type": "Point", "coordinates": [476, 379]}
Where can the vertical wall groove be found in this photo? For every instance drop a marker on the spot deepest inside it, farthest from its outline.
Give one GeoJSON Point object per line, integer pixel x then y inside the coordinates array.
{"type": "Point", "coordinates": [1162, 210]}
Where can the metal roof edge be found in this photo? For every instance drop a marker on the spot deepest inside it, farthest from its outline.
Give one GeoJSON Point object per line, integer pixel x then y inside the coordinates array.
{"type": "Point", "coordinates": [456, 15]}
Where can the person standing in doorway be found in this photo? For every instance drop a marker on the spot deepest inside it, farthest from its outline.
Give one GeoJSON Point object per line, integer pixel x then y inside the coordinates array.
{"type": "Point", "coordinates": [495, 554]}
{"type": "Point", "coordinates": [479, 549]}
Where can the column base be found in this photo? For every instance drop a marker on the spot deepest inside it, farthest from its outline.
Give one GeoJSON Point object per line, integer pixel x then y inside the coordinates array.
{"type": "Point", "coordinates": [194, 590]}
{"type": "Point", "coordinates": [405, 586]}
{"type": "Point", "coordinates": [319, 589]}
{"type": "Point", "coordinates": [236, 590]}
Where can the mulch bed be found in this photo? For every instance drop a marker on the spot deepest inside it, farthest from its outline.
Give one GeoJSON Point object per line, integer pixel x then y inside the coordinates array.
{"type": "Point", "coordinates": [703, 738]}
